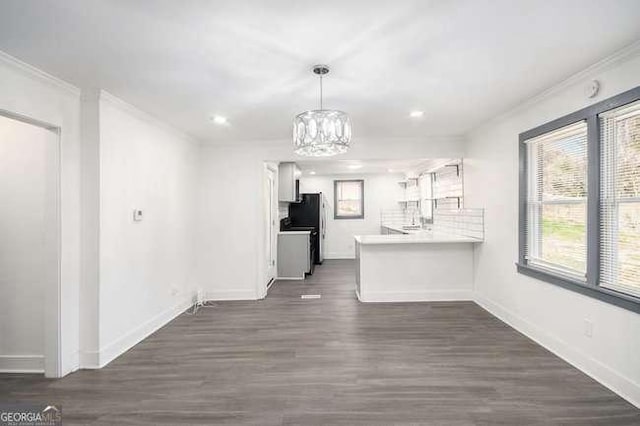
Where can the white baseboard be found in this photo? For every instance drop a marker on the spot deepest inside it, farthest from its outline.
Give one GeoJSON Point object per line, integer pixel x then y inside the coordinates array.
{"type": "Point", "coordinates": [416, 296]}
{"type": "Point", "coordinates": [71, 363]}
{"type": "Point", "coordinates": [21, 363]}
{"type": "Point", "coordinates": [89, 360]}
{"type": "Point", "coordinates": [135, 336]}
{"type": "Point", "coordinates": [593, 368]}
{"type": "Point", "coordinates": [230, 295]}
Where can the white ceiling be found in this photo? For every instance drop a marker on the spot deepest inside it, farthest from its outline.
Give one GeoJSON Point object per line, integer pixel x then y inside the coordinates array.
{"type": "Point", "coordinates": [462, 62]}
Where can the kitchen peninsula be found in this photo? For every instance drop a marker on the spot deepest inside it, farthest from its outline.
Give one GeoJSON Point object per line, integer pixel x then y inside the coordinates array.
{"type": "Point", "coordinates": [417, 265]}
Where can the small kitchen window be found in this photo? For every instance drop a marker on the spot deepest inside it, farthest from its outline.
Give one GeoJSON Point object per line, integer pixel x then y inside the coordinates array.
{"type": "Point", "coordinates": [348, 197]}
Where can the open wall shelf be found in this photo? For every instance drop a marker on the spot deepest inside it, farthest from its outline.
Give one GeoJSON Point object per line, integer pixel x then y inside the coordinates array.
{"type": "Point", "coordinates": [458, 201]}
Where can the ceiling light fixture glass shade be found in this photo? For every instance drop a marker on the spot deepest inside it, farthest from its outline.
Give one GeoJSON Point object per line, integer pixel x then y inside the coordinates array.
{"type": "Point", "coordinates": [321, 132]}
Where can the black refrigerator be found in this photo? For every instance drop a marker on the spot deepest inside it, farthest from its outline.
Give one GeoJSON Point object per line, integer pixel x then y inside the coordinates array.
{"type": "Point", "coordinates": [310, 211]}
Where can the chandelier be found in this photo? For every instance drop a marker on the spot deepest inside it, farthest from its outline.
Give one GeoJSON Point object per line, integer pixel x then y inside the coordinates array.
{"type": "Point", "coordinates": [321, 132]}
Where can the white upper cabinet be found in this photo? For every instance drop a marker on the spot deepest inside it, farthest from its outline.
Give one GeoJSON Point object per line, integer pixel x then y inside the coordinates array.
{"type": "Point", "coordinates": [288, 182]}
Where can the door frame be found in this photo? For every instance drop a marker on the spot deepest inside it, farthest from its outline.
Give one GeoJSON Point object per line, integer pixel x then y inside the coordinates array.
{"type": "Point", "coordinates": [270, 168]}
{"type": "Point", "coordinates": [52, 306]}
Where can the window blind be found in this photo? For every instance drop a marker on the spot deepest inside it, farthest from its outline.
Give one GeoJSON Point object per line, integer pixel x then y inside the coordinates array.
{"type": "Point", "coordinates": [426, 196]}
{"type": "Point", "coordinates": [620, 199]}
{"type": "Point", "coordinates": [557, 201]}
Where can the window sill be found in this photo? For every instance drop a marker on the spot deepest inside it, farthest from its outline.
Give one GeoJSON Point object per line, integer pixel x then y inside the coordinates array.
{"type": "Point", "coordinates": [609, 296]}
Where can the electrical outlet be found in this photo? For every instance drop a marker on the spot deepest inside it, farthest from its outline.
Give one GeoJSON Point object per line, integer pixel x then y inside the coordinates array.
{"type": "Point", "coordinates": [588, 328]}
{"type": "Point", "coordinates": [137, 215]}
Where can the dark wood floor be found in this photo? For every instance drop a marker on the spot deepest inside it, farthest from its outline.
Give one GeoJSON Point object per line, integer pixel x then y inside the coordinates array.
{"type": "Point", "coordinates": [331, 361]}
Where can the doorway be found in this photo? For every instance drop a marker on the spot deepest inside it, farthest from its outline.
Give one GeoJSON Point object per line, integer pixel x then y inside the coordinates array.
{"type": "Point", "coordinates": [29, 241]}
{"type": "Point", "coordinates": [271, 220]}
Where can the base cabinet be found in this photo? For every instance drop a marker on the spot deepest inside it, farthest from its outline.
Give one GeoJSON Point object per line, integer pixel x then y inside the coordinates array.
{"type": "Point", "coordinates": [294, 255]}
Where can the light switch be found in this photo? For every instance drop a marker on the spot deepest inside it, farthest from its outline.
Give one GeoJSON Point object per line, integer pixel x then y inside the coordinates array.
{"type": "Point", "coordinates": [137, 215]}
{"type": "Point", "coordinates": [588, 328]}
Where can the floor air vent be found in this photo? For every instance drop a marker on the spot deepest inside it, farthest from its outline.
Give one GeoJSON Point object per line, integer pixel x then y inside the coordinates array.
{"type": "Point", "coordinates": [311, 296]}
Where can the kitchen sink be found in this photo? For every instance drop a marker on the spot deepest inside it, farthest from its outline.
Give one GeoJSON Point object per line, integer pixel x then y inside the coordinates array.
{"type": "Point", "coordinates": [411, 227]}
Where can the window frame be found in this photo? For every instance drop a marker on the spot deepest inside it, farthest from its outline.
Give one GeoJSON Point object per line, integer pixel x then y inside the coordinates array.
{"type": "Point", "coordinates": [337, 182]}
{"type": "Point", "coordinates": [589, 287]}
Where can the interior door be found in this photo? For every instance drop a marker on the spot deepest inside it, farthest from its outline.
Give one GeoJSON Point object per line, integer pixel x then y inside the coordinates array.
{"type": "Point", "coordinates": [271, 207]}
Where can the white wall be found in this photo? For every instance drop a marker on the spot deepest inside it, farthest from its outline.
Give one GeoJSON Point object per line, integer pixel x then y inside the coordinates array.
{"type": "Point", "coordinates": [29, 92]}
{"type": "Point", "coordinates": [146, 270]}
{"type": "Point", "coordinates": [381, 191]}
{"type": "Point", "coordinates": [90, 254]}
{"type": "Point", "coordinates": [28, 241]}
{"type": "Point", "coordinates": [549, 314]}
{"type": "Point", "coordinates": [230, 229]}
{"type": "Point", "coordinates": [144, 273]}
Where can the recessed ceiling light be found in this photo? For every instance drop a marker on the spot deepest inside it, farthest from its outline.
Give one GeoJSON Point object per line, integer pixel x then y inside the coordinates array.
{"type": "Point", "coordinates": [355, 166]}
{"type": "Point", "coordinates": [220, 120]}
{"type": "Point", "coordinates": [312, 172]}
{"type": "Point", "coordinates": [390, 170]}
{"type": "Point", "coordinates": [416, 114]}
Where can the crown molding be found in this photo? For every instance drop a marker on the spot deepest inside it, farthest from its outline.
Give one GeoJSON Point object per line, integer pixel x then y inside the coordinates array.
{"type": "Point", "coordinates": [628, 52]}
{"type": "Point", "coordinates": [38, 74]}
{"type": "Point", "coordinates": [144, 116]}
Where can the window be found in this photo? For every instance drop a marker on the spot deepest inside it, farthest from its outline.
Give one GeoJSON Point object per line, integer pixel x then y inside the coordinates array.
{"type": "Point", "coordinates": [557, 201]}
{"type": "Point", "coordinates": [426, 197]}
{"type": "Point", "coordinates": [348, 199]}
{"type": "Point", "coordinates": [620, 199]}
{"type": "Point", "coordinates": [580, 201]}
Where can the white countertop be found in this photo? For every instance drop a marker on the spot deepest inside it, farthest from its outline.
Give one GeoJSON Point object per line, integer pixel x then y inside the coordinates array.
{"type": "Point", "coordinates": [294, 232]}
{"type": "Point", "coordinates": [418, 237]}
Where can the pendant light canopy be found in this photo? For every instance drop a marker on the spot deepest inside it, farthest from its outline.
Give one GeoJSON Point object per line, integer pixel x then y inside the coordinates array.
{"type": "Point", "coordinates": [321, 132]}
